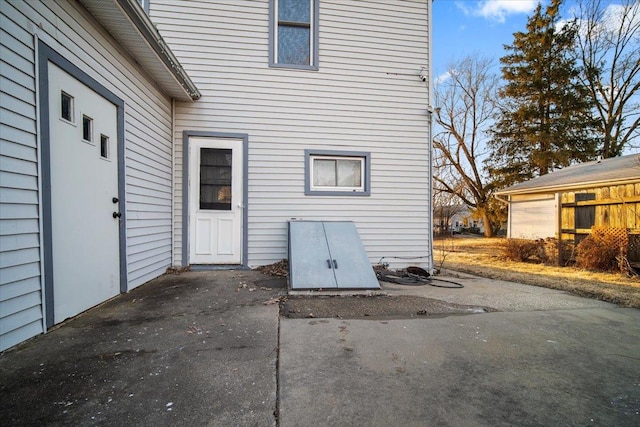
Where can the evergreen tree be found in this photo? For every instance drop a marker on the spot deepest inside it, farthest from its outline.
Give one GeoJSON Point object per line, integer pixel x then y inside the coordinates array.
{"type": "Point", "coordinates": [545, 120]}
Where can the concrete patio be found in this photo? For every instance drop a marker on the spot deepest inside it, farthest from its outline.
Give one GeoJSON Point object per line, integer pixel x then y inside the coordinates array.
{"type": "Point", "coordinates": [210, 348]}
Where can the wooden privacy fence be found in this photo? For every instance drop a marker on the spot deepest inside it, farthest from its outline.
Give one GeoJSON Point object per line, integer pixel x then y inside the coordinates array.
{"type": "Point", "coordinates": [613, 210]}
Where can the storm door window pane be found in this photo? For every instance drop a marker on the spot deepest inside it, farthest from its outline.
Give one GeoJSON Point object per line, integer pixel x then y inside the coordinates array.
{"type": "Point", "coordinates": [294, 32]}
{"type": "Point", "coordinates": [215, 179]}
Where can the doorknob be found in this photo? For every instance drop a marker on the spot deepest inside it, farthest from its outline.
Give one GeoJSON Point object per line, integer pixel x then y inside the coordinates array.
{"type": "Point", "coordinates": [115, 200]}
{"type": "Point", "coordinates": [117, 214]}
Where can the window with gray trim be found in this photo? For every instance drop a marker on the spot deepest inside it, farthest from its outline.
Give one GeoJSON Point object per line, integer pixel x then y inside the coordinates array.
{"type": "Point", "coordinates": [293, 34]}
{"type": "Point", "coordinates": [145, 5]}
{"type": "Point", "coordinates": [337, 173]}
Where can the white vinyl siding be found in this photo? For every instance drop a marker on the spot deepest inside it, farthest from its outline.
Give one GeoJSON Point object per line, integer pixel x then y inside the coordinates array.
{"type": "Point", "coordinates": [72, 32]}
{"type": "Point", "coordinates": [532, 217]}
{"type": "Point", "coordinates": [366, 96]}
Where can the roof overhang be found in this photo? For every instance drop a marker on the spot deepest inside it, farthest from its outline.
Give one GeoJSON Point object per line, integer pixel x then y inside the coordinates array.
{"type": "Point", "coordinates": [550, 189]}
{"type": "Point", "coordinates": [127, 22]}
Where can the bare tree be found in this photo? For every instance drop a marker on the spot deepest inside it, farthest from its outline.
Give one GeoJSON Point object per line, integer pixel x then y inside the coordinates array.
{"type": "Point", "coordinates": [466, 103]}
{"type": "Point", "coordinates": [445, 207]}
{"type": "Point", "coordinates": [609, 48]}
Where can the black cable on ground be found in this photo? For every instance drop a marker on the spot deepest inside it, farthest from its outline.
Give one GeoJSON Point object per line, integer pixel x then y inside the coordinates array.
{"type": "Point", "coordinates": [411, 279]}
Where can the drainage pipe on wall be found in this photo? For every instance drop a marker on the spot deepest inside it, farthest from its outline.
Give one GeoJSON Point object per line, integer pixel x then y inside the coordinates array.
{"type": "Point", "coordinates": [432, 265]}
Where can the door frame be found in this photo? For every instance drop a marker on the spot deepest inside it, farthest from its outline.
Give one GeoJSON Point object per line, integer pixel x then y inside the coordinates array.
{"type": "Point", "coordinates": [186, 135]}
{"type": "Point", "coordinates": [47, 54]}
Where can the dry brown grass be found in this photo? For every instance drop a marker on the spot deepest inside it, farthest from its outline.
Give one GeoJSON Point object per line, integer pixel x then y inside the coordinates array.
{"type": "Point", "coordinates": [481, 256]}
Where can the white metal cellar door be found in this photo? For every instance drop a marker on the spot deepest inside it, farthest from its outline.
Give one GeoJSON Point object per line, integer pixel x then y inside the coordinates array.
{"type": "Point", "coordinates": [328, 255]}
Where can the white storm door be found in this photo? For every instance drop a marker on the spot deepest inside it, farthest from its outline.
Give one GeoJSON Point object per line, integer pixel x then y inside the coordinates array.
{"type": "Point", "coordinates": [215, 200]}
{"type": "Point", "coordinates": [84, 183]}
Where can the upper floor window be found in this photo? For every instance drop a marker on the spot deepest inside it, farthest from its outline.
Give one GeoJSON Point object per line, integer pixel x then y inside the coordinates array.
{"type": "Point", "coordinates": [145, 5]}
{"type": "Point", "coordinates": [294, 34]}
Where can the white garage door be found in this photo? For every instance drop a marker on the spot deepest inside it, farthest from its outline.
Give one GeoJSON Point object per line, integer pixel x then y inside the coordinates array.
{"type": "Point", "coordinates": [533, 219]}
{"type": "Point", "coordinates": [84, 191]}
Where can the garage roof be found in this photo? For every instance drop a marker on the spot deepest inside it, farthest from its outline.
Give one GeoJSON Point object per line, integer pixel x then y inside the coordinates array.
{"type": "Point", "coordinates": [127, 22]}
{"type": "Point", "coordinates": [613, 171]}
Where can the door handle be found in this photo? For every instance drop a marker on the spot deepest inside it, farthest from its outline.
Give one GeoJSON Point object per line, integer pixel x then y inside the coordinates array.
{"type": "Point", "coordinates": [328, 263]}
{"type": "Point", "coordinates": [335, 264]}
{"type": "Point", "coordinates": [117, 214]}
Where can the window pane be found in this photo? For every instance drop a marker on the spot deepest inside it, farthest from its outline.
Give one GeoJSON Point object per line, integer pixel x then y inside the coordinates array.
{"type": "Point", "coordinates": [294, 10]}
{"type": "Point", "coordinates": [66, 104]}
{"type": "Point", "coordinates": [215, 179]}
{"type": "Point", "coordinates": [104, 146]}
{"type": "Point", "coordinates": [324, 173]}
{"type": "Point", "coordinates": [87, 128]}
{"type": "Point", "coordinates": [349, 173]}
{"type": "Point", "coordinates": [293, 45]}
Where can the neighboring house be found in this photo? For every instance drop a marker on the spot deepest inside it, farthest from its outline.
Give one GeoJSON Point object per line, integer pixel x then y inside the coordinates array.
{"type": "Point", "coordinates": [455, 219]}
{"type": "Point", "coordinates": [464, 221]}
{"type": "Point", "coordinates": [565, 204]}
{"type": "Point", "coordinates": [135, 138]}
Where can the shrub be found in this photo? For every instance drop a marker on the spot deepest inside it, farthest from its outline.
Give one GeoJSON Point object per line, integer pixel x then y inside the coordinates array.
{"type": "Point", "coordinates": [599, 252]}
{"type": "Point", "coordinates": [521, 249]}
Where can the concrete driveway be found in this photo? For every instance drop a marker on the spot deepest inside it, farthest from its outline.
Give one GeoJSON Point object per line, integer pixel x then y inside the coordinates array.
{"type": "Point", "coordinates": [208, 348]}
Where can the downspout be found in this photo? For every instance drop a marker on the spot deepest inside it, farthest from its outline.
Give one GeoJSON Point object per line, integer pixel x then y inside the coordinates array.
{"type": "Point", "coordinates": [430, 112]}
{"type": "Point", "coordinates": [173, 180]}
{"type": "Point", "coordinates": [559, 225]}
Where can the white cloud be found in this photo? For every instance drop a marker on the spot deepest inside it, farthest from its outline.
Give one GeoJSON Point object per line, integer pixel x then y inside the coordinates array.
{"type": "Point", "coordinates": [613, 16]}
{"type": "Point", "coordinates": [442, 78]}
{"type": "Point", "coordinates": [612, 19]}
{"type": "Point", "coordinates": [497, 10]}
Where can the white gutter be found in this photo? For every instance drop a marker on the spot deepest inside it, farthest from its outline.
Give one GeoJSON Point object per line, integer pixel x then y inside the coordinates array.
{"type": "Point", "coordinates": [136, 13]}
{"type": "Point", "coordinates": [130, 26]}
{"type": "Point", "coordinates": [567, 187]}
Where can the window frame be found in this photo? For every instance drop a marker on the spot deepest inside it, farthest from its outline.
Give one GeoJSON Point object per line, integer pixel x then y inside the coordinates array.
{"type": "Point", "coordinates": [89, 121]}
{"type": "Point", "coordinates": [314, 33]}
{"type": "Point", "coordinates": [105, 144]}
{"type": "Point", "coordinates": [144, 4]}
{"type": "Point", "coordinates": [310, 190]}
{"type": "Point", "coordinates": [72, 107]}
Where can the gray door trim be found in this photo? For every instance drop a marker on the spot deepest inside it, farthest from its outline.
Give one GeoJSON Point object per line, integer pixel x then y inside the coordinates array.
{"type": "Point", "coordinates": [185, 189]}
{"type": "Point", "coordinates": [45, 55]}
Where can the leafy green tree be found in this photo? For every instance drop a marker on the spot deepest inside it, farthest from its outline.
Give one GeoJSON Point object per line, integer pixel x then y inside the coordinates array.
{"type": "Point", "coordinates": [545, 120]}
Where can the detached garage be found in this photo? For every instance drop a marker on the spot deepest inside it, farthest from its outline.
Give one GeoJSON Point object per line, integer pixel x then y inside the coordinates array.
{"type": "Point", "coordinates": [568, 203]}
{"type": "Point", "coordinates": [86, 168]}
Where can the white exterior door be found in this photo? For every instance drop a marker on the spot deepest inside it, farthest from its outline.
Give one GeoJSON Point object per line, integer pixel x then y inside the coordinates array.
{"type": "Point", "coordinates": [215, 200]}
{"type": "Point", "coordinates": [84, 183]}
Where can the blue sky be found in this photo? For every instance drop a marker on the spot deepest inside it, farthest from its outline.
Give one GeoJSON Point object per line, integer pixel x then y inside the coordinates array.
{"type": "Point", "coordinates": [463, 27]}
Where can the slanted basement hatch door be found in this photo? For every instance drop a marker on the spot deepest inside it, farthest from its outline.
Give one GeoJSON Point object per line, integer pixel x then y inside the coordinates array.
{"type": "Point", "coordinates": [328, 255]}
